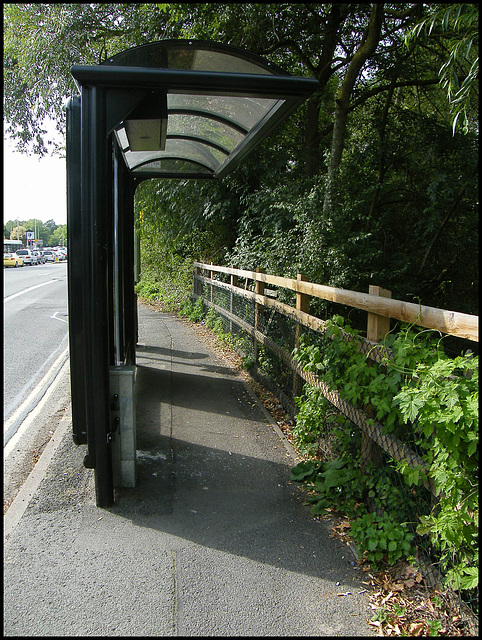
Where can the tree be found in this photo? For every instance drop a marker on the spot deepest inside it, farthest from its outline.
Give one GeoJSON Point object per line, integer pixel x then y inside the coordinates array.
{"type": "Point", "coordinates": [19, 233]}
{"type": "Point", "coordinates": [364, 183]}
{"type": "Point", "coordinates": [48, 232]}
{"type": "Point", "coordinates": [455, 30]}
{"type": "Point", "coordinates": [59, 236]}
{"type": "Point", "coordinates": [41, 43]}
{"type": "Point", "coordinates": [366, 48]}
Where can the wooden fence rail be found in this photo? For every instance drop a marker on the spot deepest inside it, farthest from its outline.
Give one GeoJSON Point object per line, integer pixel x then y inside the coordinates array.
{"type": "Point", "coordinates": [461, 325]}
{"type": "Point", "coordinates": [379, 313]}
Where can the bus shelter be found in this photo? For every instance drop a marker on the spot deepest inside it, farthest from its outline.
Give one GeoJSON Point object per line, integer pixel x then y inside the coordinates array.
{"type": "Point", "coordinates": [181, 109]}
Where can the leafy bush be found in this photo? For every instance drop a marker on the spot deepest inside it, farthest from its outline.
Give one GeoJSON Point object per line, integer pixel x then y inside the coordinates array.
{"type": "Point", "coordinates": [381, 538]}
{"type": "Point", "coordinates": [193, 312]}
{"type": "Point", "coordinates": [427, 399]}
{"type": "Point", "coordinates": [442, 403]}
{"type": "Point", "coordinates": [168, 283]}
{"type": "Point", "coordinates": [214, 321]}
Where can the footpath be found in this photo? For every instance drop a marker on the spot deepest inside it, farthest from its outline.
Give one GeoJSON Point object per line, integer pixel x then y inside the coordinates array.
{"type": "Point", "coordinates": [213, 541]}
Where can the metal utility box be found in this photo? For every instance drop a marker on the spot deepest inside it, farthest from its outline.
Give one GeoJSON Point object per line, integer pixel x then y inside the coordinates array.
{"type": "Point", "coordinates": [123, 443]}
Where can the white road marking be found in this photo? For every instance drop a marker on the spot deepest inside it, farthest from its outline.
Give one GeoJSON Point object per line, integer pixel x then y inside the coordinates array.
{"type": "Point", "coordinates": [12, 424]}
{"type": "Point", "coordinates": [14, 440]}
{"type": "Point", "coordinates": [21, 293]}
{"type": "Point", "coordinates": [61, 319]}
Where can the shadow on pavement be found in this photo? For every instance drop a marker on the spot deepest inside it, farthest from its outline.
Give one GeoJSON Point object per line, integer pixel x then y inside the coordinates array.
{"type": "Point", "coordinates": [221, 482]}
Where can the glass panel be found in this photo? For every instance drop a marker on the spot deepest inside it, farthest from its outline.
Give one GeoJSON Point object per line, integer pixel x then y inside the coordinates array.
{"type": "Point", "coordinates": [203, 60]}
{"type": "Point", "coordinates": [194, 55]}
{"type": "Point", "coordinates": [184, 149]}
{"type": "Point", "coordinates": [206, 150]}
{"type": "Point", "coordinates": [243, 111]}
{"type": "Point", "coordinates": [169, 165]}
{"type": "Point", "coordinates": [180, 124]}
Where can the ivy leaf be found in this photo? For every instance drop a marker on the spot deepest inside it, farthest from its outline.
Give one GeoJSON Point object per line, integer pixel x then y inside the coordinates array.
{"type": "Point", "coordinates": [332, 478]}
{"type": "Point", "coordinates": [319, 508]}
{"type": "Point", "coordinates": [410, 404]}
{"type": "Point", "coordinates": [471, 578]}
{"type": "Point", "coordinates": [303, 470]}
{"type": "Point", "coordinates": [472, 448]}
{"type": "Point", "coordinates": [372, 544]}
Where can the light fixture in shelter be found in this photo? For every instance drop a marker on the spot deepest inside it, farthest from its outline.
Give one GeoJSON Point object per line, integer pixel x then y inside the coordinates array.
{"type": "Point", "coordinates": [202, 105]}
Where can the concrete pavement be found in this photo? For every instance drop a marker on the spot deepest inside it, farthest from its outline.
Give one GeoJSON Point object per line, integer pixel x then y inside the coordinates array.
{"type": "Point", "coordinates": [213, 541]}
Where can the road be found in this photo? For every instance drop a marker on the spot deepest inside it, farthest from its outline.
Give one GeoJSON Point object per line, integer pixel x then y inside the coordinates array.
{"type": "Point", "coordinates": [35, 337]}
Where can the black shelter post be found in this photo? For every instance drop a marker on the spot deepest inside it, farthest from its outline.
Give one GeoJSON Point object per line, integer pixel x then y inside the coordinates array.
{"type": "Point", "coordinates": [96, 216]}
{"type": "Point", "coordinates": [127, 240]}
{"type": "Point", "coordinates": [125, 298]}
{"type": "Point", "coordinates": [75, 275]}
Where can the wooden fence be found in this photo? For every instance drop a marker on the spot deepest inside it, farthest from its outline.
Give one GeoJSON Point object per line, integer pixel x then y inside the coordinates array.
{"type": "Point", "coordinates": [378, 304]}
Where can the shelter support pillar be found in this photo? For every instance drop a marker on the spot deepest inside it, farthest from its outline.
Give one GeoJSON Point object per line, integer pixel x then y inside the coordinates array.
{"type": "Point", "coordinates": [122, 374]}
{"type": "Point", "coordinates": [75, 273]}
{"type": "Point", "coordinates": [96, 213]}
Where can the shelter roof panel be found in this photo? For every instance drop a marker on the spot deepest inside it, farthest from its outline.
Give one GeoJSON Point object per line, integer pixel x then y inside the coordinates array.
{"type": "Point", "coordinates": [196, 107]}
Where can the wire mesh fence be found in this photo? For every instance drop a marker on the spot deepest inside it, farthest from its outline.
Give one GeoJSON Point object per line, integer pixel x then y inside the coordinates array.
{"type": "Point", "coordinates": [266, 332]}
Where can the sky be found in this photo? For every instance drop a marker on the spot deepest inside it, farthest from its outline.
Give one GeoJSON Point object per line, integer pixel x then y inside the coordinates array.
{"type": "Point", "coordinates": [33, 187]}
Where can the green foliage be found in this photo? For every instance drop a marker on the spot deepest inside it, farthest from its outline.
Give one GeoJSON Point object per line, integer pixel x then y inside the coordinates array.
{"type": "Point", "coordinates": [314, 419]}
{"type": "Point", "coordinates": [41, 43]}
{"type": "Point", "coordinates": [381, 231]}
{"type": "Point", "coordinates": [166, 281]}
{"type": "Point", "coordinates": [442, 402]}
{"type": "Point", "coordinates": [458, 24]}
{"type": "Point", "coordinates": [305, 470]}
{"type": "Point", "coordinates": [393, 224]}
{"type": "Point", "coordinates": [236, 342]}
{"type": "Point", "coordinates": [427, 399]}
{"type": "Point", "coordinates": [381, 538]}
{"type": "Point", "coordinates": [194, 312]}
{"type": "Point", "coordinates": [214, 321]}
{"type": "Point", "coordinates": [341, 484]}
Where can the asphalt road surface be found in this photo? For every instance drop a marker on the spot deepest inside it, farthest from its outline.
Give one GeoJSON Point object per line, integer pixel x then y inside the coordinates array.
{"type": "Point", "coordinates": [35, 337]}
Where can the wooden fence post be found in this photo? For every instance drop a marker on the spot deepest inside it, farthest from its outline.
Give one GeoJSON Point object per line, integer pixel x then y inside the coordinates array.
{"type": "Point", "coordinates": [258, 310]}
{"type": "Point", "coordinates": [378, 326]}
{"type": "Point", "coordinates": [210, 276]}
{"type": "Point", "coordinates": [234, 283]}
{"type": "Point", "coordinates": [302, 304]}
{"type": "Point", "coordinates": [377, 329]}
{"type": "Point", "coordinates": [197, 284]}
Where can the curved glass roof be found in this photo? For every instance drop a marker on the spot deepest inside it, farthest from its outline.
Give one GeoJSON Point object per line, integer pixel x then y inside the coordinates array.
{"type": "Point", "coordinates": [190, 108]}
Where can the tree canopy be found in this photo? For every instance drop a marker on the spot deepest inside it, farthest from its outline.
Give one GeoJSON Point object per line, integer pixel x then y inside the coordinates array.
{"type": "Point", "coordinates": [373, 180]}
{"type": "Point", "coordinates": [50, 233]}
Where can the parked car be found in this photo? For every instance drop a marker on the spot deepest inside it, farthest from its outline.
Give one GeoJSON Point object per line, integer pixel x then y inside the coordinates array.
{"type": "Point", "coordinates": [40, 258]}
{"type": "Point", "coordinates": [62, 252]}
{"type": "Point", "coordinates": [27, 256]}
{"type": "Point", "coordinates": [12, 260]}
{"type": "Point", "coordinates": [49, 255]}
